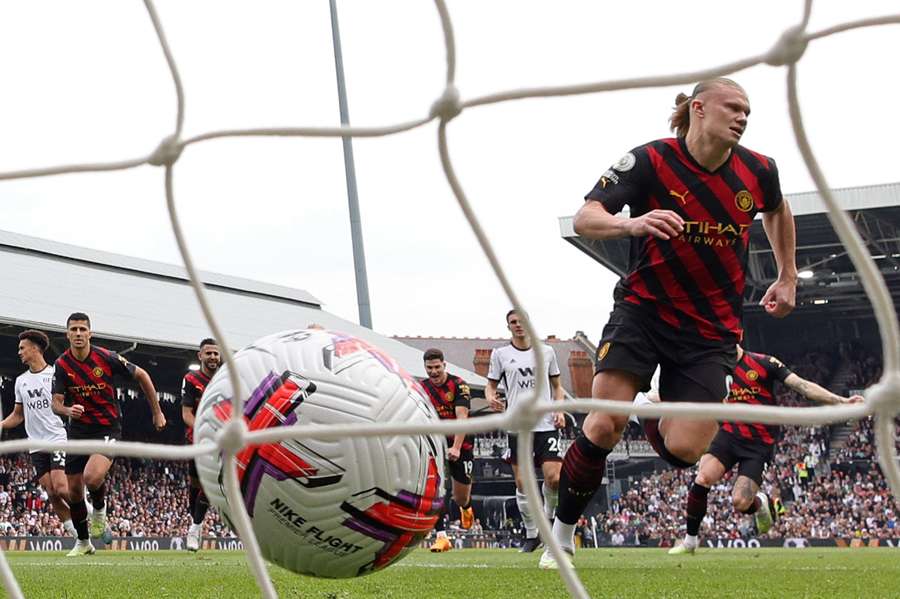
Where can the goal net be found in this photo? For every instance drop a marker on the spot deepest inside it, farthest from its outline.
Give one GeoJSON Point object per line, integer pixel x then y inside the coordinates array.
{"type": "Point", "coordinates": [882, 399]}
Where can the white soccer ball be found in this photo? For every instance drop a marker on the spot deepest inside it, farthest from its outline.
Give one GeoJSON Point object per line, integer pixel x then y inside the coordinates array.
{"type": "Point", "coordinates": [327, 508]}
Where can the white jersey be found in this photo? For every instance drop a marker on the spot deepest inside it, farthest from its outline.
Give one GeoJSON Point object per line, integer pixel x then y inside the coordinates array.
{"type": "Point", "coordinates": [514, 369]}
{"type": "Point", "coordinates": [33, 391]}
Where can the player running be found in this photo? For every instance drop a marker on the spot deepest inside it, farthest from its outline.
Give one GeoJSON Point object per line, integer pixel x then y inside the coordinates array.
{"type": "Point", "coordinates": [451, 398]}
{"type": "Point", "coordinates": [41, 424]}
{"type": "Point", "coordinates": [84, 392]}
{"type": "Point", "coordinates": [513, 367]}
{"type": "Point", "coordinates": [749, 445]}
{"type": "Point", "coordinates": [192, 387]}
{"type": "Point", "coordinates": [692, 201]}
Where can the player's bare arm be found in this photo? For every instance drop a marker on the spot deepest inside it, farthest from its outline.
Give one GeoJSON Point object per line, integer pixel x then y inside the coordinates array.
{"type": "Point", "coordinates": [74, 411]}
{"type": "Point", "coordinates": [453, 452]}
{"type": "Point", "coordinates": [593, 221]}
{"type": "Point", "coordinates": [187, 416]}
{"type": "Point", "coordinates": [144, 380]}
{"type": "Point", "coordinates": [490, 394]}
{"type": "Point", "coordinates": [780, 298]}
{"type": "Point", "coordinates": [814, 392]}
{"type": "Point", "coordinates": [559, 394]}
{"type": "Point", "coordinates": [15, 419]}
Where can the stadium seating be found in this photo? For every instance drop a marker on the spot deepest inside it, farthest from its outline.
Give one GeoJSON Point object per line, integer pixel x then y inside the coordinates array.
{"type": "Point", "coordinates": [842, 493]}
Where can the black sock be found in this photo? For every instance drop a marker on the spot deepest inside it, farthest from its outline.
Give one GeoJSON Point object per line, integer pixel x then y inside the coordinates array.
{"type": "Point", "coordinates": [192, 499]}
{"type": "Point", "coordinates": [579, 478]}
{"type": "Point", "coordinates": [467, 506]}
{"type": "Point", "coordinates": [201, 507]}
{"type": "Point", "coordinates": [696, 508]}
{"type": "Point", "coordinates": [98, 497]}
{"type": "Point", "coordinates": [651, 430]}
{"type": "Point", "coordinates": [440, 526]}
{"type": "Point", "coordinates": [79, 513]}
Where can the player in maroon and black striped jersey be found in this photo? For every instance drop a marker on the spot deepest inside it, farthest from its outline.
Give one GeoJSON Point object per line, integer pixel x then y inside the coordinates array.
{"type": "Point", "coordinates": [84, 392]}
{"type": "Point", "coordinates": [692, 199]}
{"type": "Point", "coordinates": [749, 445]}
{"type": "Point", "coordinates": [192, 387]}
{"type": "Point", "coordinates": [451, 398]}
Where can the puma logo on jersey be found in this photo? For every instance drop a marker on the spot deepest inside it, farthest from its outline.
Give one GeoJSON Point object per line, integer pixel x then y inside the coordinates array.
{"type": "Point", "coordinates": [680, 196]}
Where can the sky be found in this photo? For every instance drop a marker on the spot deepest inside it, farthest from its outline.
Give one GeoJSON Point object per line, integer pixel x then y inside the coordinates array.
{"type": "Point", "coordinates": [86, 82]}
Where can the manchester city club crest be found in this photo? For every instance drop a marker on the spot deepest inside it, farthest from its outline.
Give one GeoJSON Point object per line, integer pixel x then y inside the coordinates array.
{"type": "Point", "coordinates": [743, 200]}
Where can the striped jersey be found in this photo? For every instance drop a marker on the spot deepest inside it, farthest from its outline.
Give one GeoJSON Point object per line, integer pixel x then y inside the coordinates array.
{"type": "Point", "coordinates": [192, 387]}
{"type": "Point", "coordinates": [446, 398]}
{"type": "Point", "coordinates": [694, 282]}
{"type": "Point", "coordinates": [91, 383]}
{"type": "Point", "coordinates": [754, 383]}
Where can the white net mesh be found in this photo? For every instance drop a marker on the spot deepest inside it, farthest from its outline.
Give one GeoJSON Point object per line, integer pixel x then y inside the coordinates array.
{"type": "Point", "coordinates": [882, 399]}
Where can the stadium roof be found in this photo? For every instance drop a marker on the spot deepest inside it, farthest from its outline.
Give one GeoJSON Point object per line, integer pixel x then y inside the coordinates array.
{"type": "Point", "coordinates": [833, 296]}
{"type": "Point", "coordinates": [144, 302]}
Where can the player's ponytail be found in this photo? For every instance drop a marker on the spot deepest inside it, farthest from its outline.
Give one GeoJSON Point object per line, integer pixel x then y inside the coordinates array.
{"type": "Point", "coordinates": [680, 119]}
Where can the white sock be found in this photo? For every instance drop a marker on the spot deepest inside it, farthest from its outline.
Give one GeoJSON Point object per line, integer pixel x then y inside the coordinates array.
{"type": "Point", "coordinates": [441, 534]}
{"type": "Point", "coordinates": [565, 534]}
{"type": "Point", "coordinates": [640, 399]}
{"type": "Point", "coordinates": [531, 530]}
{"type": "Point", "coordinates": [551, 499]}
{"type": "Point", "coordinates": [691, 540]}
{"type": "Point", "coordinates": [69, 527]}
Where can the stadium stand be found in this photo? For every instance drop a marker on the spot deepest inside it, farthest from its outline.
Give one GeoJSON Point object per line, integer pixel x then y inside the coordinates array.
{"type": "Point", "coordinates": [829, 492]}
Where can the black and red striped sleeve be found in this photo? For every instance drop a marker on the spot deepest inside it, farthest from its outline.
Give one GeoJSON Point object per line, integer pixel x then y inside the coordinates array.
{"type": "Point", "coordinates": [120, 365]}
{"type": "Point", "coordinates": [766, 172]}
{"type": "Point", "coordinates": [625, 183]}
{"type": "Point", "coordinates": [775, 368]}
{"type": "Point", "coordinates": [463, 396]}
{"type": "Point", "coordinates": [191, 391]}
{"type": "Point", "coordinates": [60, 377]}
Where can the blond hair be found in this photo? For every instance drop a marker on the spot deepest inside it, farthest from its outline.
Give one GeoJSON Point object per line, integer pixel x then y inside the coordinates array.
{"type": "Point", "coordinates": [680, 119]}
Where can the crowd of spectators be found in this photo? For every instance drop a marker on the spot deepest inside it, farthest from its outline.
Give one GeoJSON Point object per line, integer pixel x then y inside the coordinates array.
{"type": "Point", "coordinates": [841, 495]}
{"type": "Point", "coordinates": [145, 499]}
{"type": "Point", "coordinates": [828, 492]}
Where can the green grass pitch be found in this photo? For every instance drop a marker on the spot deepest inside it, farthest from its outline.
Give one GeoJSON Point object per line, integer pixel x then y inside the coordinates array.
{"type": "Point", "coordinates": [476, 574]}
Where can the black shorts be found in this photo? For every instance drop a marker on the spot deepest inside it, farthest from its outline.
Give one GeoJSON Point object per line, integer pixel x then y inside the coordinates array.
{"type": "Point", "coordinates": [461, 469]}
{"type": "Point", "coordinates": [546, 448]}
{"type": "Point", "coordinates": [751, 456]}
{"type": "Point", "coordinates": [75, 463]}
{"type": "Point", "coordinates": [45, 461]}
{"type": "Point", "coordinates": [690, 369]}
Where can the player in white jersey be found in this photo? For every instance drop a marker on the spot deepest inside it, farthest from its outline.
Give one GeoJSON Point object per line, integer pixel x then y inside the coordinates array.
{"type": "Point", "coordinates": [513, 367]}
{"type": "Point", "coordinates": [33, 400]}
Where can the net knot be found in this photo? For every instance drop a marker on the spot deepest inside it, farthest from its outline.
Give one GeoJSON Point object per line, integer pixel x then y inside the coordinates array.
{"type": "Point", "coordinates": [448, 106]}
{"type": "Point", "coordinates": [789, 48]}
{"type": "Point", "coordinates": [167, 152]}
{"type": "Point", "coordinates": [231, 438]}
{"type": "Point", "coordinates": [884, 397]}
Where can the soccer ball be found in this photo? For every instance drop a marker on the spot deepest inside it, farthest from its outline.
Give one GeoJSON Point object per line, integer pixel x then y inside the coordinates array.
{"type": "Point", "coordinates": [327, 508]}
